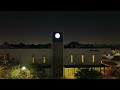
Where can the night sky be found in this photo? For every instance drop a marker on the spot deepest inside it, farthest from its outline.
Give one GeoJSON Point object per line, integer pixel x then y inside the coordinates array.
{"type": "Point", "coordinates": [80, 26]}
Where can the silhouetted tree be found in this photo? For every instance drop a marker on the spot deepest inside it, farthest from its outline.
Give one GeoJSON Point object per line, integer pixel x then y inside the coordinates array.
{"type": "Point", "coordinates": [21, 45]}
{"type": "Point", "coordinates": [5, 45]}
{"type": "Point", "coordinates": [73, 45]}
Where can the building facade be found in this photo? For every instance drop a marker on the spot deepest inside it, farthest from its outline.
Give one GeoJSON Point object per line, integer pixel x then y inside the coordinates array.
{"type": "Point", "coordinates": [58, 61]}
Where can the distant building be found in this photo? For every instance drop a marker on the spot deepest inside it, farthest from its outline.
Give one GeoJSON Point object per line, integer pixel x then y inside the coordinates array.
{"type": "Point", "coordinates": [59, 61]}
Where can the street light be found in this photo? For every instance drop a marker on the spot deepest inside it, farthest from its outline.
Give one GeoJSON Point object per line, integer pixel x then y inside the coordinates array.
{"type": "Point", "coordinates": [23, 68]}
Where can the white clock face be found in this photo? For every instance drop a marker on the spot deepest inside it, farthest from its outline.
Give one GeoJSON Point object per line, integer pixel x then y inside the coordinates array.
{"type": "Point", "coordinates": [57, 35]}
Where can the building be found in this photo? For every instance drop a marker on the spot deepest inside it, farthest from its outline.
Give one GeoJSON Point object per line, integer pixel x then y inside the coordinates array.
{"type": "Point", "coordinates": [59, 62]}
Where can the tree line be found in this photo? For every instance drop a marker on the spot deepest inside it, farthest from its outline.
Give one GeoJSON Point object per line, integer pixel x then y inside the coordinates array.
{"type": "Point", "coordinates": [69, 45]}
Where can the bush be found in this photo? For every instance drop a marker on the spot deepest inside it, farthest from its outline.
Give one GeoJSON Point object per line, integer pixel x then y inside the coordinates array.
{"type": "Point", "coordinates": [37, 72]}
{"type": "Point", "coordinates": [86, 74]}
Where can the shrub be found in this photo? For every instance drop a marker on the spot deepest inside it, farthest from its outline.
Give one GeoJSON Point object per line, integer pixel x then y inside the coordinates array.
{"type": "Point", "coordinates": [86, 74]}
{"type": "Point", "coordinates": [37, 72]}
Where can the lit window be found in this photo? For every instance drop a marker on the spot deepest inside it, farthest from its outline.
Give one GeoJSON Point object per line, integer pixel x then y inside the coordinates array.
{"type": "Point", "coordinates": [101, 61]}
{"type": "Point", "coordinates": [93, 58]}
{"type": "Point", "coordinates": [71, 56]}
{"type": "Point", "coordinates": [44, 59]}
{"type": "Point", "coordinates": [82, 58]}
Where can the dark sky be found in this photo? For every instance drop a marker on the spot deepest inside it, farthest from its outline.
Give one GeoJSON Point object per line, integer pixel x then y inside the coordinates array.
{"type": "Point", "coordinates": [81, 26]}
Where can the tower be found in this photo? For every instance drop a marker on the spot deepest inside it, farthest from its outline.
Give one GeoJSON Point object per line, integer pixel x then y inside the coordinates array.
{"type": "Point", "coordinates": [57, 62]}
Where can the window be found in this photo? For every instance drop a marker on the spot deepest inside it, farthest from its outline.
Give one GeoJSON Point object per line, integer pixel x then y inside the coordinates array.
{"type": "Point", "coordinates": [82, 58]}
{"type": "Point", "coordinates": [93, 58]}
{"type": "Point", "coordinates": [44, 59]}
{"type": "Point", "coordinates": [71, 58]}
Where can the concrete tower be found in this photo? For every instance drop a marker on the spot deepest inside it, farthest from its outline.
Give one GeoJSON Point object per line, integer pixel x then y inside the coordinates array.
{"type": "Point", "coordinates": [57, 62]}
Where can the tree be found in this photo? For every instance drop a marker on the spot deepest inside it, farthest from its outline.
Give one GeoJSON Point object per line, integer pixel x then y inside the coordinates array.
{"type": "Point", "coordinates": [15, 72]}
{"type": "Point", "coordinates": [73, 45]}
{"type": "Point", "coordinates": [37, 72]}
{"type": "Point", "coordinates": [2, 71]}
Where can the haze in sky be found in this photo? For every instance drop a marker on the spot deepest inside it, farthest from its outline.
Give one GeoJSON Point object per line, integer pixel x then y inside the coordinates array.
{"type": "Point", "coordinates": [80, 26]}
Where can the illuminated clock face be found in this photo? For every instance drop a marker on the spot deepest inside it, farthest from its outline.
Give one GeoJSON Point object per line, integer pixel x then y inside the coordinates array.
{"type": "Point", "coordinates": [57, 35]}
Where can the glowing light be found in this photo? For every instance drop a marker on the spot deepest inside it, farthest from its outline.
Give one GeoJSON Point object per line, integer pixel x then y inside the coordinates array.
{"type": "Point", "coordinates": [44, 60]}
{"type": "Point", "coordinates": [82, 58]}
{"type": "Point", "coordinates": [93, 58]}
{"type": "Point", "coordinates": [70, 72]}
{"type": "Point", "coordinates": [57, 35]}
{"type": "Point", "coordinates": [23, 68]}
{"type": "Point", "coordinates": [71, 58]}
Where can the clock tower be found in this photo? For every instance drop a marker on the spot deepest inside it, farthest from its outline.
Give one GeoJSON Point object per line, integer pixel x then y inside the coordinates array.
{"type": "Point", "coordinates": [57, 62]}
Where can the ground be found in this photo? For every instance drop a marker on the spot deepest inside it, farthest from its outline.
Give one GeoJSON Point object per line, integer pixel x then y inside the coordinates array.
{"type": "Point", "coordinates": [109, 77]}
